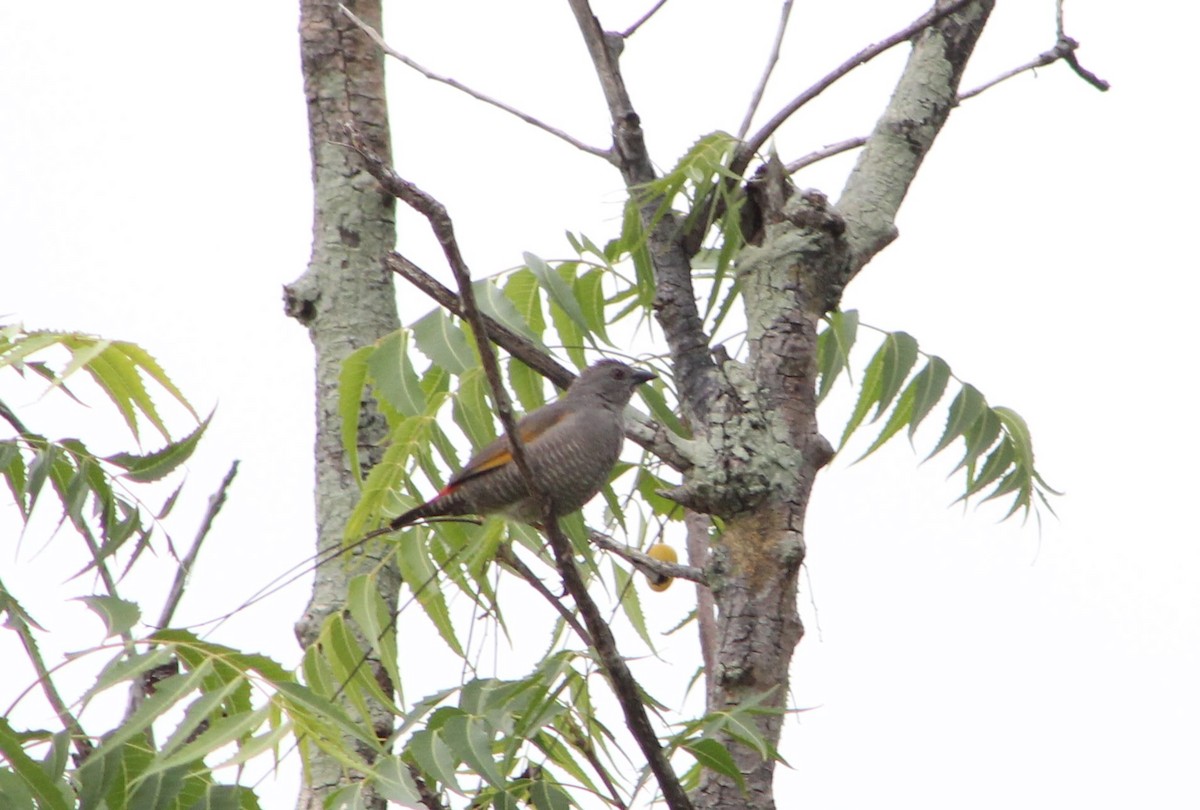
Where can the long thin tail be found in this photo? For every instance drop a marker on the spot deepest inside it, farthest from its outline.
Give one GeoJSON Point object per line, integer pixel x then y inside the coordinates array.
{"type": "Point", "coordinates": [425, 510]}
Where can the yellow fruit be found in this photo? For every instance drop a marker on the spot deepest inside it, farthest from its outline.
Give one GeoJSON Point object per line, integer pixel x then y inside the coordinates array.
{"type": "Point", "coordinates": [663, 553]}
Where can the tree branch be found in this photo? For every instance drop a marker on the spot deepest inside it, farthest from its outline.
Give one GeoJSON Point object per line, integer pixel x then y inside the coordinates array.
{"type": "Point", "coordinates": [825, 152]}
{"type": "Point", "coordinates": [620, 678]}
{"type": "Point", "coordinates": [640, 428]}
{"type": "Point", "coordinates": [628, 32]}
{"type": "Point", "coordinates": [747, 151]}
{"type": "Point", "coordinates": [698, 526]}
{"type": "Point", "coordinates": [645, 563]}
{"type": "Point", "coordinates": [924, 96]}
{"type": "Point", "coordinates": [486, 99]}
{"type": "Point", "coordinates": [506, 555]}
{"type": "Point", "coordinates": [756, 98]}
{"type": "Point", "coordinates": [674, 297]}
{"type": "Point", "coordinates": [215, 502]}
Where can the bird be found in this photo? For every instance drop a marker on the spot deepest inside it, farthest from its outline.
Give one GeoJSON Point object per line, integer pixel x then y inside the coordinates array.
{"type": "Point", "coordinates": [571, 445]}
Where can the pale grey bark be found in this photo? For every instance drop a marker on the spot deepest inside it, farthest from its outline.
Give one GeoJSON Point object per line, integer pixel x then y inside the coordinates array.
{"type": "Point", "coordinates": [346, 299]}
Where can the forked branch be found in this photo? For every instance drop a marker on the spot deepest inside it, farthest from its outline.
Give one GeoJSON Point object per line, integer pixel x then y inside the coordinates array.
{"type": "Point", "coordinates": [624, 686]}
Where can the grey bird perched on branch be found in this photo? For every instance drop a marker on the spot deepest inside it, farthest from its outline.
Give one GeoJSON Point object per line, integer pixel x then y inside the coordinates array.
{"type": "Point", "coordinates": [571, 446]}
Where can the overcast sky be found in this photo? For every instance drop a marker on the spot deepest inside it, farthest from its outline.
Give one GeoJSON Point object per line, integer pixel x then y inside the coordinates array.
{"type": "Point", "coordinates": [154, 186]}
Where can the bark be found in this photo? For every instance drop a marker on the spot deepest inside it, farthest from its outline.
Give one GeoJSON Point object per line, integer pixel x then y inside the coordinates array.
{"type": "Point", "coordinates": [761, 446]}
{"type": "Point", "coordinates": [346, 299]}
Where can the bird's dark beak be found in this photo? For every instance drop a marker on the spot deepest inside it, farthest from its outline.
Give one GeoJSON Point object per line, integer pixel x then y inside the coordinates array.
{"type": "Point", "coordinates": [641, 375]}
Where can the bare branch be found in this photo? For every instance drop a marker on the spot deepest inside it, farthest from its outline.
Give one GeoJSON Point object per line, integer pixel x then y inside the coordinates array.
{"type": "Point", "coordinates": [756, 98]}
{"type": "Point", "coordinates": [675, 296]}
{"type": "Point", "coordinates": [628, 32]}
{"type": "Point", "coordinates": [647, 564]}
{"type": "Point", "coordinates": [825, 152]}
{"type": "Point", "coordinates": [215, 502]}
{"type": "Point", "coordinates": [515, 344]}
{"type": "Point", "coordinates": [506, 555]}
{"type": "Point", "coordinates": [752, 146]}
{"type": "Point", "coordinates": [640, 428]}
{"type": "Point", "coordinates": [621, 680]}
{"type": "Point", "coordinates": [698, 526]}
{"type": "Point", "coordinates": [1067, 47]}
{"type": "Point", "coordinates": [486, 99]}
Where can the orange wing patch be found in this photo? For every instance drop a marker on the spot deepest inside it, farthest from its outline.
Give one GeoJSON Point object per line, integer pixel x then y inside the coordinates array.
{"type": "Point", "coordinates": [498, 453]}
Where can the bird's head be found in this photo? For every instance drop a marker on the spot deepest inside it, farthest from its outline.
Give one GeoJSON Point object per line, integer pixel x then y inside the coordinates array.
{"type": "Point", "coordinates": [609, 380]}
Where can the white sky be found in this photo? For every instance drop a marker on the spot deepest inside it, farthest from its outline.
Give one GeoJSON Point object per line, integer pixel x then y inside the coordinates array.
{"type": "Point", "coordinates": [154, 186]}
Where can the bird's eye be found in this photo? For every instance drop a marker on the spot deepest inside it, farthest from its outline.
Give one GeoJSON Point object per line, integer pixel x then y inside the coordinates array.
{"type": "Point", "coordinates": [618, 374]}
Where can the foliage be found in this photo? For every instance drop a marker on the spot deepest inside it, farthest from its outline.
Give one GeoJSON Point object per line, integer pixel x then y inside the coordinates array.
{"type": "Point", "coordinates": [539, 738]}
{"type": "Point", "coordinates": [532, 740]}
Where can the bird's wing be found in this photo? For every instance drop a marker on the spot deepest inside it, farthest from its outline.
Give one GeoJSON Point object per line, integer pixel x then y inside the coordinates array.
{"type": "Point", "coordinates": [498, 453]}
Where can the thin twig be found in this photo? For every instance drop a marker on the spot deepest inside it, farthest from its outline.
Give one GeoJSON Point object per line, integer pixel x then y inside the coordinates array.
{"type": "Point", "coordinates": [1068, 45]}
{"type": "Point", "coordinates": [486, 99]}
{"type": "Point", "coordinates": [825, 152]}
{"type": "Point", "coordinates": [507, 556]}
{"type": "Point", "coordinates": [755, 143]}
{"type": "Point", "coordinates": [639, 427]}
{"type": "Point", "coordinates": [628, 32]}
{"type": "Point", "coordinates": [784, 13]}
{"type": "Point", "coordinates": [647, 564]}
{"type": "Point", "coordinates": [215, 502]}
{"type": "Point", "coordinates": [621, 680]}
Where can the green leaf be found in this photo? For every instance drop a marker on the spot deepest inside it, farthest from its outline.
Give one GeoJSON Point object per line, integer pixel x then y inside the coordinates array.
{"type": "Point", "coordinates": [441, 340]}
{"type": "Point", "coordinates": [918, 398]}
{"type": "Point", "coordinates": [422, 576]}
{"type": "Point", "coordinates": [928, 387]}
{"type": "Point", "coordinates": [307, 709]}
{"type": "Point", "coordinates": [523, 290]}
{"type": "Point", "coordinates": [118, 376]}
{"type": "Point", "coordinates": [833, 349]}
{"type": "Point", "coordinates": [166, 694]}
{"type": "Point", "coordinates": [631, 603]}
{"type": "Point", "coordinates": [569, 334]}
{"type": "Point", "coordinates": [118, 615]}
{"type": "Point", "coordinates": [48, 793]}
{"type": "Point", "coordinates": [994, 466]}
{"type": "Point", "coordinates": [392, 781]}
{"type": "Point", "coordinates": [495, 303]}
{"type": "Point", "coordinates": [375, 621]}
{"type": "Point", "coordinates": [716, 757]}
{"type": "Point", "coordinates": [652, 395]}
{"type": "Point", "coordinates": [150, 367]}
{"type": "Point", "coordinates": [900, 354]}
{"type": "Point", "coordinates": [527, 384]}
{"type": "Point", "coordinates": [979, 438]}
{"type": "Point", "coordinates": [884, 376]}
{"type": "Point", "coordinates": [589, 289]}
{"type": "Point", "coordinates": [546, 795]}
{"type": "Point", "coordinates": [470, 740]}
{"type": "Point", "coordinates": [472, 408]}
{"type": "Point", "coordinates": [392, 375]}
{"type": "Point", "coordinates": [433, 756]}
{"type": "Point", "coordinates": [559, 290]}
{"type": "Point", "coordinates": [965, 410]}
{"type": "Point", "coordinates": [161, 463]}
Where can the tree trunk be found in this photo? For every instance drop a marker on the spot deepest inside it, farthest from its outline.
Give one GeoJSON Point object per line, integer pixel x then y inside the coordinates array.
{"type": "Point", "coordinates": [763, 448]}
{"type": "Point", "coordinates": [346, 298]}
